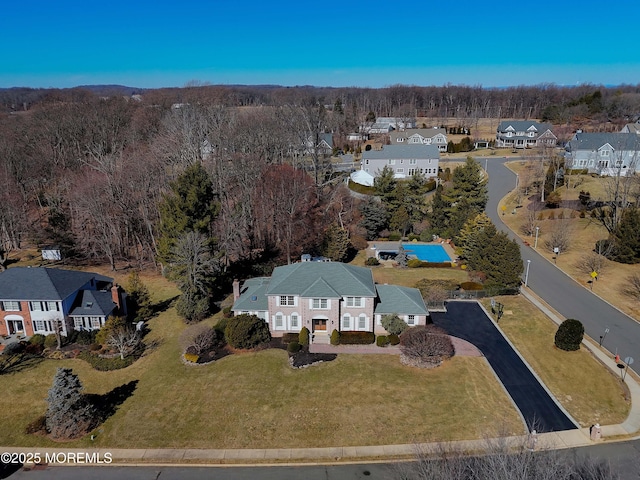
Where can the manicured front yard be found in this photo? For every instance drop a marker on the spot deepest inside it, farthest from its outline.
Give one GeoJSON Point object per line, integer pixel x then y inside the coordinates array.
{"type": "Point", "coordinates": [584, 387]}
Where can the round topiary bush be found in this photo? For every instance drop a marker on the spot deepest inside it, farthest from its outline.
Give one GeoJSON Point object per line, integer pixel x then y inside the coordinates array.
{"type": "Point", "coordinates": [382, 340]}
{"type": "Point", "coordinates": [335, 337]}
{"type": "Point", "coordinates": [371, 262]}
{"type": "Point", "coordinates": [37, 339]}
{"type": "Point", "coordinates": [293, 347]}
{"type": "Point", "coordinates": [50, 341]}
{"type": "Point", "coordinates": [394, 339]}
{"type": "Point", "coordinates": [246, 331]}
{"type": "Point", "coordinates": [569, 335]}
{"type": "Point", "coordinates": [303, 336]}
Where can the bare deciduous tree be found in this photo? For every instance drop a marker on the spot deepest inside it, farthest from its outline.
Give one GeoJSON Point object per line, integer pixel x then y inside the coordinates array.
{"type": "Point", "coordinates": [559, 236]}
{"type": "Point", "coordinates": [124, 339]}
{"type": "Point", "coordinates": [198, 339]}
{"type": "Point", "coordinates": [632, 288]}
{"type": "Point", "coordinates": [592, 262]}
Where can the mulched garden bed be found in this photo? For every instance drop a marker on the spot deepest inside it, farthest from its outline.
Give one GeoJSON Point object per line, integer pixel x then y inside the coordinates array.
{"type": "Point", "coordinates": [304, 359]}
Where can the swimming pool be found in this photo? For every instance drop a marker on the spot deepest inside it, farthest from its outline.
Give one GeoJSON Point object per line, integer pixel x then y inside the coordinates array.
{"type": "Point", "coordinates": [428, 253]}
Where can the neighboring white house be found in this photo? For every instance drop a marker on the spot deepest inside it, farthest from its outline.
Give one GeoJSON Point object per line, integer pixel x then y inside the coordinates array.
{"type": "Point", "coordinates": [404, 160]}
{"type": "Point", "coordinates": [389, 124]}
{"type": "Point", "coordinates": [608, 154]}
{"type": "Point", "coordinates": [421, 136]}
{"type": "Point", "coordinates": [524, 134]}
{"type": "Point", "coordinates": [326, 296]}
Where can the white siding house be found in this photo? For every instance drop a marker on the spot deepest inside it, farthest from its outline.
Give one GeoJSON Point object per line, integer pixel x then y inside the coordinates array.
{"type": "Point", "coordinates": [404, 160]}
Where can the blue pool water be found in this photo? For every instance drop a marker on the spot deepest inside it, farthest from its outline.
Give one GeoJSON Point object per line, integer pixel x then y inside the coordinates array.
{"type": "Point", "coordinates": [428, 253]}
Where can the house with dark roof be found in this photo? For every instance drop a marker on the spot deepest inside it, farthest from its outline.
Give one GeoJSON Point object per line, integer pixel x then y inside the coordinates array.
{"type": "Point", "coordinates": [404, 160]}
{"type": "Point", "coordinates": [326, 296]}
{"type": "Point", "coordinates": [525, 134]}
{"type": "Point", "coordinates": [42, 300]}
{"type": "Point", "coordinates": [607, 154]}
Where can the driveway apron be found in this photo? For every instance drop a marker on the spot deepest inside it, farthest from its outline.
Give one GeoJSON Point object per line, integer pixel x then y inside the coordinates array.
{"type": "Point", "coordinates": [468, 321]}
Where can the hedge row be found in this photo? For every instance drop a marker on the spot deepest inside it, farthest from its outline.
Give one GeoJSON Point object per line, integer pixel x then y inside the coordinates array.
{"type": "Point", "coordinates": [357, 338]}
{"type": "Point", "coordinates": [106, 364]}
{"type": "Point", "coordinates": [415, 263]}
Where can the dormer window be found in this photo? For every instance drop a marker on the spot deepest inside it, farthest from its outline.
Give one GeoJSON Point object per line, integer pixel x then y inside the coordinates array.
{"type": "Point", "coordinates": [88, 304]}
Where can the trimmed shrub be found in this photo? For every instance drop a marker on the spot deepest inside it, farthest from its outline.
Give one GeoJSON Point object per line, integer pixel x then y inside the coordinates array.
{"type": "Point", "coordinates": [415, 263]}
{"type": "Point", "coordinates": [191, 357]}
{"type": "Point", "coordinates": [382, 340]}
{"type": "Point", "coordinates": [246, 331]}
{"type": "Point", "coordinates": [393, 324]}
{"type": "Point", "coordinates": [85, 337]}
{"type": "Point", "coordinates": [436, 265]}
{"type": "Point", "coordinates": [50, 341]}
{"type": "Point", "coordinates": [290, 337]}
{"type": "Point", "coordinates": [293, 347]}
{"type": "Point", "coordinates": [394, 339]}
{"type": "Point", "coordinates": [395, 236]}
{"type": "Point", "coordinates": [335, 337]}
{"type": "Point", "coordinates": [221, 326]}
{"type": "Point", "coordinates": [107, 364]}
{"type": "Point", "coordinates": [357, 338]}
{"type": "Point", "coordinates": [34, 348]}
{"type": "Point", "coordinates": [14, 348]}
{"type": "Point", "coordinates": [569, 335]}
{"type": "Point", "coordinates": [303, 336]}
{"type": "Point", "coordinates": [371, 262]}
{"type": "Point", "coordinates": [226, 311]}
{"type": "Point", "coordinates": [37, 339]}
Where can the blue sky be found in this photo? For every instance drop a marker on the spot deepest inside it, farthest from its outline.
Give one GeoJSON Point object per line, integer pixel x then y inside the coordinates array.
{"type": "Point", "coordinates": [144, 43]}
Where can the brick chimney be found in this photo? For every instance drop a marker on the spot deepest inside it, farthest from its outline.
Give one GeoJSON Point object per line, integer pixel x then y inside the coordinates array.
{"type": "Point", "coordinates": [115, 296]}
{"type": "Point", "coordinates": [236, 290]}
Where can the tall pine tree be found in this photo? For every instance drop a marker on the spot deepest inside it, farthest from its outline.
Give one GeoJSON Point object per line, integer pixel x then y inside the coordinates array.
{"type": "Point", "coordinates": [190, 206]}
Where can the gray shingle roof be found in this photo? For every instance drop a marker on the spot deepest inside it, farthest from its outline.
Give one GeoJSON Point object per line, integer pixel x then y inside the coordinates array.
{"type": "Point", "coordinates": [593, 141]}
{"type": "Point", "coordinates": [523, 125]}
{"type": "Point", "coordinates": [401, 300]}
{"type": "Point", "coordinates": [92, 303]}
{"type": "Point", "coordinates": [402, 151]}
{"type": "Point", "coordinates": [39, 283]}
{"type": "Point", "coordinates": [302, 279]}
{"type": "Point", "coordinates": [253, 295]}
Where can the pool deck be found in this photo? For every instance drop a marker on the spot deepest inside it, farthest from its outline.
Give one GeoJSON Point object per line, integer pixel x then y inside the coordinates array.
{"type": "Point", "coordinates": [393, 246]}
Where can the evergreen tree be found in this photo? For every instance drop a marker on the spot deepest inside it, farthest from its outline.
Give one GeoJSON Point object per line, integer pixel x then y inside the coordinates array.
{"type": "Point", "coordinates": [467, 240]}
{"type": "Point", "coordinates": [69, 413]}
{"type": "Point", "coordinates": [400, 220]}
{"type": "Point", "coordinates": [189, 207]}
{"type": "Point", "coordinates": [336, 243]}
{"type": "Point", "coordinates": [385, 183]}
{"type": "Point", "coordinates": [627, 237]}
{"type": "Point", "coordinates": [440, 211]}
{"type": "Point", "coordinates": [498, 258]}
{"type": "Point", "coordinates": [468, 195]}
{"type": "Point", "coordinates": [192, 269]}
{"type": "Point", "coordinates": [374, 218]}
{"type": "Point", "coordinates": [138, 298]}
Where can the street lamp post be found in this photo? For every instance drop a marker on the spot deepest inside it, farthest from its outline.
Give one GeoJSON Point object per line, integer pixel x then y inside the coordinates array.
{"type": "Point", "coordinates": [486, 161]}
{"type": "Point", "coordinates": [526, 275]}
{"type": "Point", "coordinates": [535, 244]}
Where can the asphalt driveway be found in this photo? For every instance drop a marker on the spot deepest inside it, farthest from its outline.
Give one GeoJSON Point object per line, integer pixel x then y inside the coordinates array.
{"type": "Point", "coordinates": [468, 321]}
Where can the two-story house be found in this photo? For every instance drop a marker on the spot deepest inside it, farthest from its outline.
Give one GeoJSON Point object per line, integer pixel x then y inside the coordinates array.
{"type": "Point", "coordinates": [326, 296]}
{"type": "Point", "coordinates": [421, 136]}
{"type": "Point", "coordinates": [608, 154]}
{"type": "Point", "coordinates": [43, 300]}
{"type": "Point", "coordinates": [404, 160]}
{"type": "Point", "coordinates": [389, 124]}
{"type": "Point", "coordinates": [524, 134]}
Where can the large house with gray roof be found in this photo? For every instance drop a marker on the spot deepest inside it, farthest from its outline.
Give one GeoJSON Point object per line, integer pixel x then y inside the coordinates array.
{"type": "Point", "coordinates": [326, 296]}
{"type": "Point", "coordinates": [524, 134]}
{"type": "Point", "coordinates": [607, 154]}
{"type": "Point", "coordinates": [421, 136]}
{"type": "Point", "coordinates": [404, 160]}
{"type": "Point", "coordinates": [42, 300]}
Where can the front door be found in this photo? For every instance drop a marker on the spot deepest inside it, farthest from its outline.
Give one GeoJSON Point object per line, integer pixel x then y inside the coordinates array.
{"type": "Point", "coordinates": [15, 326]}
{"type": "Point", "coordinates": [320, 324]}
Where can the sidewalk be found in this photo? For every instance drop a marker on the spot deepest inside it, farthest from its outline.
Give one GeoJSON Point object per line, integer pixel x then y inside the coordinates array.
{"type": "Point", "coordinates": [553, 440]}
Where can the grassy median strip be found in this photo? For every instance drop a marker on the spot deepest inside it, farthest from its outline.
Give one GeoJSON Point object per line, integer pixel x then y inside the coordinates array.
{"type": "Point", "coordinates": [584, 387]}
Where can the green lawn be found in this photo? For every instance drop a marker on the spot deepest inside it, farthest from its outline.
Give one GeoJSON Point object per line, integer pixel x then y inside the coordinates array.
{"type": "Point", "coordinates": [589, 392]}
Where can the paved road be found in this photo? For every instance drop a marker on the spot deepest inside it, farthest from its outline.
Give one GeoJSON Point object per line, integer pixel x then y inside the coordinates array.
{"type": "Point", "coordinates": [558, 290]}
{"type": "Point", "coordinates": [468, 321]}
{"type": "Point", "coordinates": [622, 456]}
